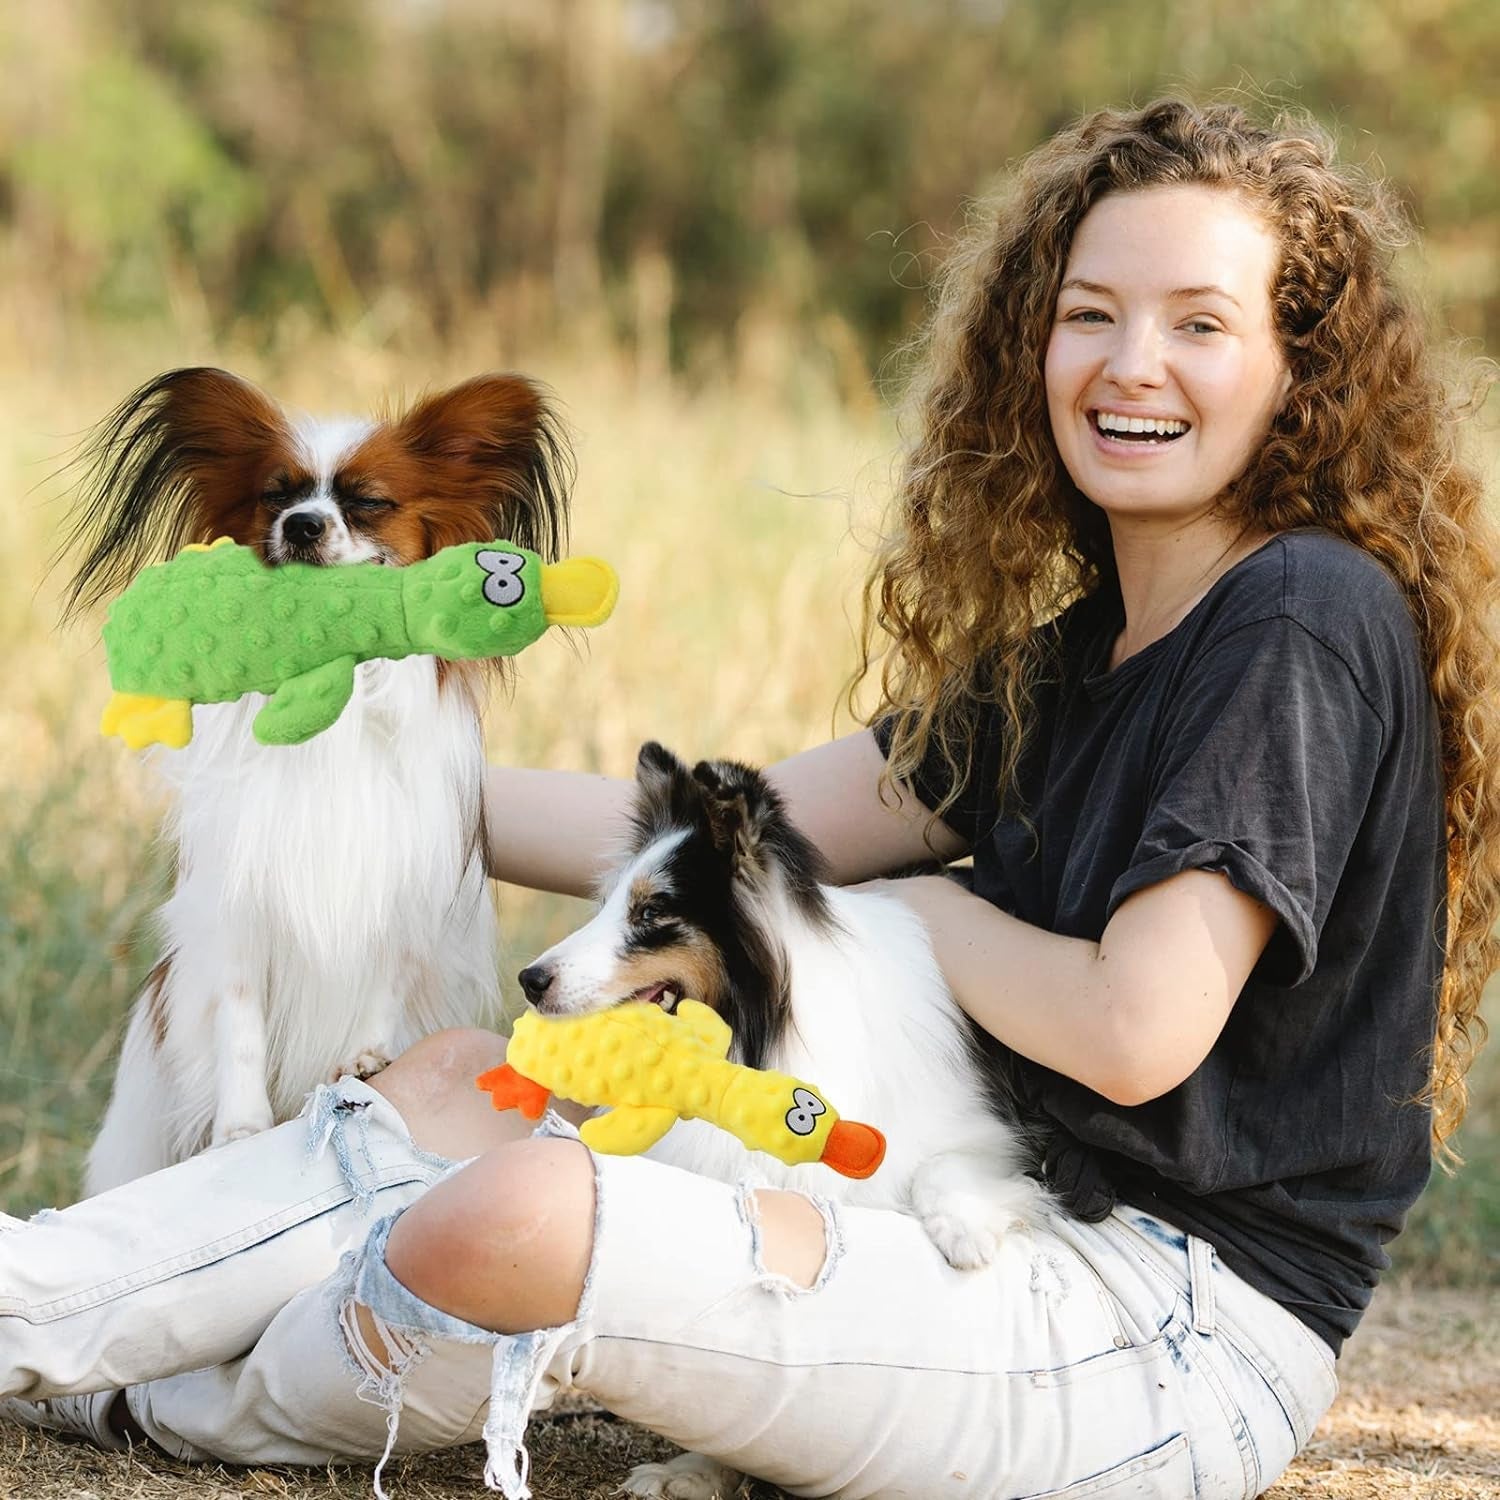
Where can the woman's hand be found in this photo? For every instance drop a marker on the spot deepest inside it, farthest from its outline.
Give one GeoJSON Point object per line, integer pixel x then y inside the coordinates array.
{"type": "Point", "coordinates": [1130, 1016]}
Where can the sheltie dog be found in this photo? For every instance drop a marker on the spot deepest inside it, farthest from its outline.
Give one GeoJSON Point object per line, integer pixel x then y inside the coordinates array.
{"type": "Point", "coordinates": [330, 904]}
{"type": "Point", "coordinates": [719, 898]}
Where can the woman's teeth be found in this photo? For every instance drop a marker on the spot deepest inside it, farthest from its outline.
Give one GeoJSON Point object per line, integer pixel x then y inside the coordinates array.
{"type": "Point", "coordinates": [1139, 429]}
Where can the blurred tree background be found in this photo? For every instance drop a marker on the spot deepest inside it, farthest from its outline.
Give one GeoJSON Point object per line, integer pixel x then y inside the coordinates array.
{"type": "Point", "coordinates": [704, 182]}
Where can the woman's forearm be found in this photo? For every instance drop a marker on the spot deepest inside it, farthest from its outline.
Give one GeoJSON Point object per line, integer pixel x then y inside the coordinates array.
{"type": "Point", "coordinates": [553, 830]}
{"type": "Point", "coordinates": [1034, 990]}
{"type": "Point", "coordinates": [1131, 1015]}
{"type": "Point", "coordinates": [833, 795]}
{"type": "Point", "coordinates": [559, 830]}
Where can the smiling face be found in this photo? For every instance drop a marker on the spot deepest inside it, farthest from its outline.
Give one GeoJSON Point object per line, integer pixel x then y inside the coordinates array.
{"type": "Point", "coordinates": [1163, 370]}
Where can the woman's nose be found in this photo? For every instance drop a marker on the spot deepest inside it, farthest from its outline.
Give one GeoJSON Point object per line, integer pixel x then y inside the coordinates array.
{"type": "Point", "coordinates": [1135, 357]}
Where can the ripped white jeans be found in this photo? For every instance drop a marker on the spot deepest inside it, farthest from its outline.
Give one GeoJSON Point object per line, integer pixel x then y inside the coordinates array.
{"type": "Point", "coordinates": [1089, 1360]}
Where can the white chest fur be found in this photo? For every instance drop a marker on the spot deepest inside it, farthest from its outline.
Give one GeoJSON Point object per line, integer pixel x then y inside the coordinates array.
{"type": "Point", "coordinates": [330, 894]}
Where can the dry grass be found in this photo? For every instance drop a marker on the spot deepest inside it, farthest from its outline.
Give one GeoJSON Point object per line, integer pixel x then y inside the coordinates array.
{"type": "Point", "coordinates": [1419, 1412]}
{"type": "Point", "coordinates": [1419, 1416]}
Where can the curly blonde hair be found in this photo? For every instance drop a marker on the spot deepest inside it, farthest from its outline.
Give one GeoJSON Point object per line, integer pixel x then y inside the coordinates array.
{"type": "Point", "coordinates": [991, 538]}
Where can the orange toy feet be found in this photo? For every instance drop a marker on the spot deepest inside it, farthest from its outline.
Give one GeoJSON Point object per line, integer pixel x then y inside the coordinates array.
{"type": "Point", "coordinates": [509, 1089]}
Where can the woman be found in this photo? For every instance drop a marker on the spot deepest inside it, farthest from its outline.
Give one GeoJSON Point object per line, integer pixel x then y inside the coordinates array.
{"type": "Point", "coordinates": [1189, 606]}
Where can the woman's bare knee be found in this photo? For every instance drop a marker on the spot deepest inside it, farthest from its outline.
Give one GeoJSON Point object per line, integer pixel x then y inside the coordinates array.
{"type": "Point", "coordinates": [432, 1087]}
{"type": "Point", "coordinates": [505, 1243]}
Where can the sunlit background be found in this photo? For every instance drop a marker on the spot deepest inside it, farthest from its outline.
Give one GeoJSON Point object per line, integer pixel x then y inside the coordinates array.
{"type": "Point", "coordinates": [707, 226]}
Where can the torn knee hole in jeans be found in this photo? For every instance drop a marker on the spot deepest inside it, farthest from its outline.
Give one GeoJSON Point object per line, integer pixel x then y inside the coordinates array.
{"type": "Point", "coordinates": [781, 1251]}
{"type": "Point", "coordinates": [386, 1331]}
{"type": "Point", "coordinates": [381, 1352]}
{"type": "Point", "coordinates": [382, 1356]}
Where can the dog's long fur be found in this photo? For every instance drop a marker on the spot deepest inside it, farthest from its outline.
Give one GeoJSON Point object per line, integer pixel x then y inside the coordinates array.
{"type": "Point", "coordinates": [719, 898]}
{"type": "Point", "coordinates": [330, 904]}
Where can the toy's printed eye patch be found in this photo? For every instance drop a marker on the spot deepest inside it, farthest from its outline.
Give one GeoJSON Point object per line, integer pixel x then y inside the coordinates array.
{"type": "Point", "coordinates": [503, 584]}
{"type": "Point", "coordinates": [802, 1117]}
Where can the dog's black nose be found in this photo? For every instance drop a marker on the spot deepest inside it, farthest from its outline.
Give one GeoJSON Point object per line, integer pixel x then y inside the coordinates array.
{"type": "Point", "coordinates": [302, 528]}
{"type": "Point", "coordinates": [536, 981]}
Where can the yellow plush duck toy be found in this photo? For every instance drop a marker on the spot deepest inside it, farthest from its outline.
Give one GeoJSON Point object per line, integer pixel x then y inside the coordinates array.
{"type": "Point", "coordinates": [652, 1069]}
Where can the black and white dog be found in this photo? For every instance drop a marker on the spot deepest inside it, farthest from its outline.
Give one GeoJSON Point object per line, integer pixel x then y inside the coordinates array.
{"type": "Point", "coordinates": [719, 899]}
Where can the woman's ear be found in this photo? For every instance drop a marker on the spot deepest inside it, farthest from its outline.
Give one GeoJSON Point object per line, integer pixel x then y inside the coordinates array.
{"type": "Point", "coordinates": [1284, 388]}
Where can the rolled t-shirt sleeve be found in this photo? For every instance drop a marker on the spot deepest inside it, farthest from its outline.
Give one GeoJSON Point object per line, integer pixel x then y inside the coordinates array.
{"type": "Point", "coordinates": [972, 810]}
{"type": "Point", "coordinates": [1267, 756]}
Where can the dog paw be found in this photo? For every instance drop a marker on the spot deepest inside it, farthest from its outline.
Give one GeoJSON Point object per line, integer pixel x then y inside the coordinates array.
{"type": "Point", "coordinates": [966, 1244]}
{"type": "Point", "coordinates": [366, 1065]}
{"type": "Point", "coordinates": [689, 1476]}
{"type": "Point", "coordinates": [237, 1130]}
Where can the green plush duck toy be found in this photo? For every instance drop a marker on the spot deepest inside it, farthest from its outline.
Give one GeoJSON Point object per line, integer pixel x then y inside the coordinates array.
{"type": "Point", "coordinates": [216, 623]}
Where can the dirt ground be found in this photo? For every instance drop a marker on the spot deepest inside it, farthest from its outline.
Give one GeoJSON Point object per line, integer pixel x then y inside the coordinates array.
{"type": "Point", "coordinates": [1418, 1416]}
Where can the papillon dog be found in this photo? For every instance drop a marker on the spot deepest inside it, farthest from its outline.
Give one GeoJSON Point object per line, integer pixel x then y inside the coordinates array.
{"type": "Point", "coordinates": [330, 904]}
{"type": "Point", "coordinates": [719, 898]}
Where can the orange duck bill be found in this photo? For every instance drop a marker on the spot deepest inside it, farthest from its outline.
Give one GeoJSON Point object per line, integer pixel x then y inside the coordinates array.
{"type": "Point", "coordinates": [853, 1150]}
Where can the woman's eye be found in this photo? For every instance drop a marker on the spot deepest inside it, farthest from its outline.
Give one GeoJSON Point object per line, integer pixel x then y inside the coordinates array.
{"type": "Point", "coordinates": [1087, 315]}
{"type": "Point", "coordinates": [1198, 325]}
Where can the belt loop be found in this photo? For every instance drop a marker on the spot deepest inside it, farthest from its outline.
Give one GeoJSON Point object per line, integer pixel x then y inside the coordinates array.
{"type": "Point", "coordinates": [1201, 1284]}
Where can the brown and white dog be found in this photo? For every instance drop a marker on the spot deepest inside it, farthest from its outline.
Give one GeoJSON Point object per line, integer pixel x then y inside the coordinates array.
{"type": "Point", "coordinates": [330, 903]}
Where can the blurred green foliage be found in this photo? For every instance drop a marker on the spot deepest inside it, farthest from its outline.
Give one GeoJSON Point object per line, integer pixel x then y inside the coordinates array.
{"type": "Point", "coordinates": [672, 171]}
{"type": "Point", "coordinates": [73, 949]}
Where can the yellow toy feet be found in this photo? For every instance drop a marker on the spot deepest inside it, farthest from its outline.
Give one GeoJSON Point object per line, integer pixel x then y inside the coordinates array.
{"type": "Point", "coordinates": [140, 720]}
{"type": "Point", "coordinates": [627, 1129]}
{"type": "Point", "coordinates": [580, 591]}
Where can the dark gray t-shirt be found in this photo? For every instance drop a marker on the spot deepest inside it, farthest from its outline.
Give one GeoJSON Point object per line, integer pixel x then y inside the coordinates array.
{"type": "Point", "coordinates": [1282, 734]}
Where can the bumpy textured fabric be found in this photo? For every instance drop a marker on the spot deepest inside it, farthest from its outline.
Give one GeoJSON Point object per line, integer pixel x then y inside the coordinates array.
{"type": "Point", "coordinates": [649, 1069]}
{"type": "Point", "coordinates": [215, 623]}
{"type": "Point", "coordinates": [1284, 735]}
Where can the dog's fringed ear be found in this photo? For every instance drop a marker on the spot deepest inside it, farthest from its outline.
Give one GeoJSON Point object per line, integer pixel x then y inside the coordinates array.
{"type": "Point", "coordinates": [731, 820]}
{"type": "Point", "coordinates": [495, 443]}
{"type": "Point", "coordinates": [656, 766]}
{"type": "Point", "coordinates": [182, 459]}
{"type": "Point", "coordinates": [666, 797]}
